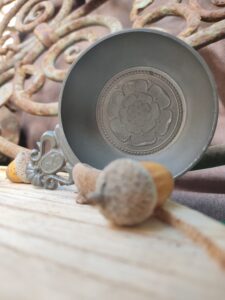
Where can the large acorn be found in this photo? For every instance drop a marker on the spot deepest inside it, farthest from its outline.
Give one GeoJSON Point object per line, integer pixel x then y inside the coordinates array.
{"type": "Point", "coordinates": [126, 191]}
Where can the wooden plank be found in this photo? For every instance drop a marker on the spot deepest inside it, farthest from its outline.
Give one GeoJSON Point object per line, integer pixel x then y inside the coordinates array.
{"type": "Point", "coordinates": [53, 248]}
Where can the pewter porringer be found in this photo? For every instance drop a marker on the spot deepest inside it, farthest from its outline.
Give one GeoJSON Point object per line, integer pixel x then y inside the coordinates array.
{"type": "Point", "coordinates": [140, 94]}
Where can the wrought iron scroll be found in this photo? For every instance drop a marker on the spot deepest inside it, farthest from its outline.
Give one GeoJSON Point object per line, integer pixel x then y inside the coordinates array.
{"type": "Point", "coordinates": [31, 28]}
{"type": "Point", "coordinates": [147, 12]}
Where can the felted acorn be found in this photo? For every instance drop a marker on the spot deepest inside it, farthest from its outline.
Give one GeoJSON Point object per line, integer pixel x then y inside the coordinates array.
{"type": "Point", "coordinates": [126, 191]}
{"type": "Point", "coordinates": [16, 170]}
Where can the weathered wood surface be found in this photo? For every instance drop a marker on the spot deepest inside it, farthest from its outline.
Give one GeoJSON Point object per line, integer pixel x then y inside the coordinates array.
{"type": "Point", "coordinates": [53, 248]}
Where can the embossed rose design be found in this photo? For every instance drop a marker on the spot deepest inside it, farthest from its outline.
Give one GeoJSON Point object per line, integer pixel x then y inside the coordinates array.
{"type": "Point", "coordinates": [139, 112]}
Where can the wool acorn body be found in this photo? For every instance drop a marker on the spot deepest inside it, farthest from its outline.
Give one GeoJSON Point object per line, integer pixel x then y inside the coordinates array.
{"type": "Point", "coordinates": [125, 192]}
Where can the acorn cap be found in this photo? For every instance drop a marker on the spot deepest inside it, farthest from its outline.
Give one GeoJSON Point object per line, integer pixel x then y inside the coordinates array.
{"type": "Point", "coordinates": [163, 180]}
{"type": "Point", "coordinates": [16, 170]}
{"type": "Point", "coordinates": [12, 174]}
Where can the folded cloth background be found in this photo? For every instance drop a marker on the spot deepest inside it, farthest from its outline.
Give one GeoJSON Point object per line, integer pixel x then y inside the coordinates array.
{"type": "Point", "coordinates": [204, 191]}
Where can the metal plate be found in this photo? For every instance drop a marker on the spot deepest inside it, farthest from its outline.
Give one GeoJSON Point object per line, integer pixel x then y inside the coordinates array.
{"type": "Point", "coordinates": [141, 94]}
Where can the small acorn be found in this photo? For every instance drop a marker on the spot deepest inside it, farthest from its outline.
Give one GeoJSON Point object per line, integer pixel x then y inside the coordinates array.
{"type": "Point", "coordinates": [16, 170]}
{"type": "Point", "coordinates": [85, 178]}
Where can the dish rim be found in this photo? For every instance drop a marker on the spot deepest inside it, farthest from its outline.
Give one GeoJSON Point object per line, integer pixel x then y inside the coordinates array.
{"type": "Point", "coordinates": [71, 156]}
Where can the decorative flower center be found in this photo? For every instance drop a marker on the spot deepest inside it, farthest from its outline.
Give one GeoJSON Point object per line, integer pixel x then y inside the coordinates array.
{"type": "Point", "coordinates": [140, 110]}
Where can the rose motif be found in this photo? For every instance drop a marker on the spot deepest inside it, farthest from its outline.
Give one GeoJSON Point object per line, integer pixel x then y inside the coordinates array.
{"type": "Point", "coordinates": [139, 112]}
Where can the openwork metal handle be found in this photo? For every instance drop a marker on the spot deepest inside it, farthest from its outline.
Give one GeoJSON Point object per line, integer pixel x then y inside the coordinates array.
{"type": "Point", "coordinates": [45, 165]}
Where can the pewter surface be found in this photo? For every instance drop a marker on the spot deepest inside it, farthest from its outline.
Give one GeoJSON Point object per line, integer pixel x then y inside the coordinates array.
{"type": "Point", "coordinates": [140, 111]}
{"type": "Point", "coordinates": [45, 164]}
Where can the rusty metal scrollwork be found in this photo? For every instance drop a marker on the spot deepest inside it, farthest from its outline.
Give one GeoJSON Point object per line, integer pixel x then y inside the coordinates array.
{"type": "Point", "coordinates": [72, 36]}
{"type": "Point", "coordinates": [192, 18]}
{"type": "Point", "coordinates": [193, 12]}
{"type": "Point", "coordinates": [22, 96]}
{"type": "Point", "coordinates": [48, 26]}
{"type": "Point", "coordinates": [27, 30]}
{"type": "Point", "coordinates": [209, 15]}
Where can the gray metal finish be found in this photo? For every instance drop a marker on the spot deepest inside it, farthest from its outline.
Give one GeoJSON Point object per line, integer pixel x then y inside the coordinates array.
{"type": "Point", "coordinates": [46, 162]}
{"type": "Point", "coordinates": [142, 94]}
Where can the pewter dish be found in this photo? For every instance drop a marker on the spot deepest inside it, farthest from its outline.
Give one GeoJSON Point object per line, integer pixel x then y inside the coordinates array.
{"type": "Point", "coordinates": [140, 94]}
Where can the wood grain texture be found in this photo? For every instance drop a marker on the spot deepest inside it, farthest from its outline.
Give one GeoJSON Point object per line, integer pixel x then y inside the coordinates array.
{"type": "Point", "coordinates": [53, 248]}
